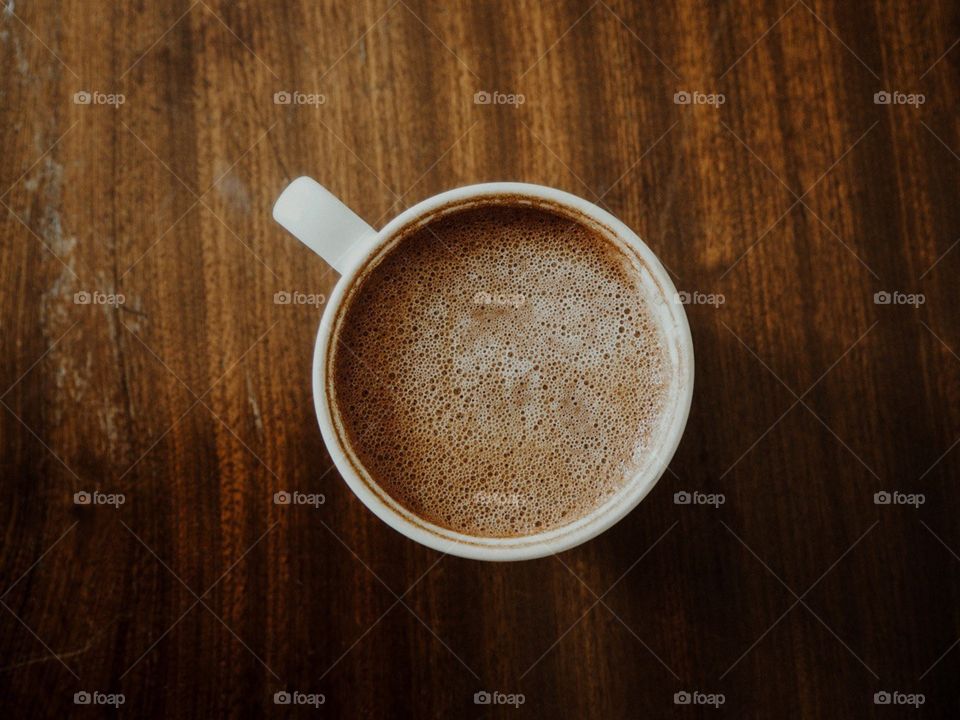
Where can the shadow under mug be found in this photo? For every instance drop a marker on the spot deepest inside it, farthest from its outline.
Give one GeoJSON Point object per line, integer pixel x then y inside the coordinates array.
{"type": "Point", "coordinates": [329, 228]}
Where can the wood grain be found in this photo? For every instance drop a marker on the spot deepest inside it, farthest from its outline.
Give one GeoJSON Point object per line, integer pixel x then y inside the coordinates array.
{"type": "Point", "coordinates": [797, 200]}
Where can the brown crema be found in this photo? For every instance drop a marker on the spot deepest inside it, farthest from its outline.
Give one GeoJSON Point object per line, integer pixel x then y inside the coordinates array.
{"type": "Point", "coordinates": [498, 370]}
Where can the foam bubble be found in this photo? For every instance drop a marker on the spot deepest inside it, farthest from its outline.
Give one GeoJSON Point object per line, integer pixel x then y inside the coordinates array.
{"type": "Point", "coordinates": [499, 372]}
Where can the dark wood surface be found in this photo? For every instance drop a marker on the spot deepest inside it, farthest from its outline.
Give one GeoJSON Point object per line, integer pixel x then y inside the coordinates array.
{"type": "Point", "coordinates": [797, 199]}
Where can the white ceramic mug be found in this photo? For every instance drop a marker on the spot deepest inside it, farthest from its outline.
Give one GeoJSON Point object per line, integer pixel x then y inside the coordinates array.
{"type": "Point", "coordinates": [335, 233]}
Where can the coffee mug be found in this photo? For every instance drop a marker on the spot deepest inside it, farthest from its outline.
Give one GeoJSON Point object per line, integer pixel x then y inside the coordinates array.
{"type": "Point", "coordinates": [329, 228]}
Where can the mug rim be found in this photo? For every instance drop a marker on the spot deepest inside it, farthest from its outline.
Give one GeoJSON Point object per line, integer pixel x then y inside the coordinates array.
{"type": "Point", "coordinates": [525, 547]}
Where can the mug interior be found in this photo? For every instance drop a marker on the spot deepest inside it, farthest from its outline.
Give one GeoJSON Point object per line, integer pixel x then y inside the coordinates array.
{"type": "Point", "coordinates": [661, 296]}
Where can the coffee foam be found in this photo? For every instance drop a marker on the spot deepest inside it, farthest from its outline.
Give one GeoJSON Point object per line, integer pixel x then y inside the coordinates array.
{"type": "Point", "coordinates": [499, 371]}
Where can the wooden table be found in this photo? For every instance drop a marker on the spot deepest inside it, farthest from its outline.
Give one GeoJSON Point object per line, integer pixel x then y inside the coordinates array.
{"type": "Point", "coordinates": [743, 141]}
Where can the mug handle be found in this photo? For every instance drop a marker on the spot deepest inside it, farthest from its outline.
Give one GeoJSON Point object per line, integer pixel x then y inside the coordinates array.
{"type": "Point", "coordinates": [314, 216]}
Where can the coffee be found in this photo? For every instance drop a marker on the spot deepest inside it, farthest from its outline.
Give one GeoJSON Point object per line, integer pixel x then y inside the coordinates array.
{"type": "Point", "coordinates": [498, 370]}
